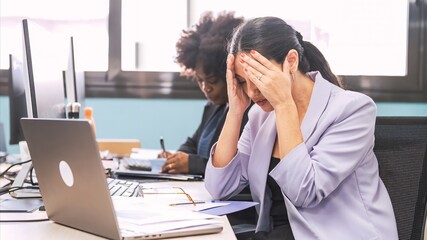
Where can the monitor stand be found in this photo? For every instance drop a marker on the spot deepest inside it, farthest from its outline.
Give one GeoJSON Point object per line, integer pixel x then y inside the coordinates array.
{"type": "Point", "coordinates": [19, 182]}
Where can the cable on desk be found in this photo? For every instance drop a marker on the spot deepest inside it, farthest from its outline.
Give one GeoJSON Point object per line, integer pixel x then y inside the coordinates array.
{"type": "Point", "coordinates": [12, 189]}
{"type": "Point", "coordinates": [13, 165]}
{"type": "Point", "coordinates": [31, 177]}
{"type": "Point", "coordinates": [9, 179]}
{"type": "Point", "coordinates": [108, 172]}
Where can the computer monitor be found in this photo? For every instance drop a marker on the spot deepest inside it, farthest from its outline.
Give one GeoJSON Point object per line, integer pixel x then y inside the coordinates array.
{"type": "Point", "coordinates": [17, 104]}
{"type": "Point", "coordinates": [44, 86]}
{"type": "Point", "coordinates": [74, 85]}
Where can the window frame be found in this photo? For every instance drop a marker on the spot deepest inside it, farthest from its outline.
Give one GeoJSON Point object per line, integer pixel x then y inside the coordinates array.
{"type": "Point", "coordinates": [413, 86]}
{"type": "Point", "coordinates": [115, 83]}
{"type": "Point", "coordinates": [143, 84]}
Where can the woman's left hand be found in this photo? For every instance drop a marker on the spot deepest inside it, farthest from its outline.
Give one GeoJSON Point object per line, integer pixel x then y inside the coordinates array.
{"type": "Point", "coordinates": [272, 79]}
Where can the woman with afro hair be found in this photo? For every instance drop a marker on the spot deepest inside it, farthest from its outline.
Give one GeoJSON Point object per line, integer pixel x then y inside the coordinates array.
{"type": "Point", "coordinates": [202, 54]}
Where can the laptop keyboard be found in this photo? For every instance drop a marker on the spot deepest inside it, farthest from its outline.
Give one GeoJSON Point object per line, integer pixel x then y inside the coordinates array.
{"type": "Point", "coordinates": [137, 164]}
{"type": "Point", "coordinates": [119, 187]}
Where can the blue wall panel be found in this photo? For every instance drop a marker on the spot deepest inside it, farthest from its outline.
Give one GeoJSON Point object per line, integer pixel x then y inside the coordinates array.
{"type": "Point", "coordinates": [148, 119]}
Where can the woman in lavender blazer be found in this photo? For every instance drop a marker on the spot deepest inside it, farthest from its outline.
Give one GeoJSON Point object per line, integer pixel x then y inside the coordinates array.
{"type": "Point", "coordinates": [307, 150]}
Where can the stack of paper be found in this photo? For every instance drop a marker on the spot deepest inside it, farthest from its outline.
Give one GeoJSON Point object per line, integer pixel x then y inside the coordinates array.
{"type": "Point", "coordinates": [137, 215]}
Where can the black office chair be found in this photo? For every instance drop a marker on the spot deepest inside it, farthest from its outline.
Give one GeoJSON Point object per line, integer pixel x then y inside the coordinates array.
{"type": "Point", "coordinates": [243, 222]}
{"type": "Point", "coordinates": [401, 149]}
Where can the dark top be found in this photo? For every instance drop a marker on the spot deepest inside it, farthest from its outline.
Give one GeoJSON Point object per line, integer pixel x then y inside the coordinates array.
{"type": "Point", "coordinates": [203, 148]}
{"type": "Point", "coordinates": [197, 163]}
{"type": "Point", "coordinates": [278, 207]}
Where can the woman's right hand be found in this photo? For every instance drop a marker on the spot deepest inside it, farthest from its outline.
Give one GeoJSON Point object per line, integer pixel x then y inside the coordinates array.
{"type": "Point", "coordinates": [238, 100]}
{"type": "Point", "coordinates": [176, 163]}
{"type": "Point", "coordinates": [164, 154]}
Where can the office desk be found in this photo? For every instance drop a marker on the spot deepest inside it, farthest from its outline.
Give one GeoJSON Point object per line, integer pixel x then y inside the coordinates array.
{"type": "Point", "coordinates": [51, 230]}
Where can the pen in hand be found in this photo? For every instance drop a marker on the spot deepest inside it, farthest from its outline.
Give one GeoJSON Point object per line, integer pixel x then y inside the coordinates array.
{"type": "Point", "coordinates": [162, 145]}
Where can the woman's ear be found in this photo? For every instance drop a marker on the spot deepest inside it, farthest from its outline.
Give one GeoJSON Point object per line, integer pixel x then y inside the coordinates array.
{"type": "Point", "coordinates": [291, 61]}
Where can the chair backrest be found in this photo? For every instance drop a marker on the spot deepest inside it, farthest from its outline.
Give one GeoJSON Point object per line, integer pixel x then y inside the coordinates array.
{"type": "Point", "coordinates": [401, 149]}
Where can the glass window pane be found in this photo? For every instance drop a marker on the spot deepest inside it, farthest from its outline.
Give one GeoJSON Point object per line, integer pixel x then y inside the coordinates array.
{"type": "Point", "coordinates": [85, 20]}
{"type": "Point", "coordinates": [357, 37]}
{"type": "Point", "coordinates": [150, 30]}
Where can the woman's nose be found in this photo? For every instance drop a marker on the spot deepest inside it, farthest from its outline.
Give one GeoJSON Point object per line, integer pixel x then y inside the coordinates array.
{"type": "Point", "coordinates": [251, 89]}
{"type": "Point", "coordinates": [206, 87]}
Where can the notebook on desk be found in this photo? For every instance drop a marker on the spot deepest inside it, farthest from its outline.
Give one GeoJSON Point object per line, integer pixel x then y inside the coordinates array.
{"type": "Point", "coordinates": [75, 193]}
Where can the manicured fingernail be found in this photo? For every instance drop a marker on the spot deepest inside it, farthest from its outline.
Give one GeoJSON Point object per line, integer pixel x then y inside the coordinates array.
{"type": "Point", "coordinates": [253, 52]}
{"type": "Point", "coordinates": [242, 61]}
{"type": "Point", "coordinates": [242, 55]}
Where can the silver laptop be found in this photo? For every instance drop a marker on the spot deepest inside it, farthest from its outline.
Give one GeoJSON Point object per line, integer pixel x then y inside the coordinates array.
{"type": "Point", "coordinates": [73, 183]}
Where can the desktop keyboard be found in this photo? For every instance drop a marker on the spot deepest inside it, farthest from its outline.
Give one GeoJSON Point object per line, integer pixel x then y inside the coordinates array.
{"type": "Point", "coordinates": [123, 188]}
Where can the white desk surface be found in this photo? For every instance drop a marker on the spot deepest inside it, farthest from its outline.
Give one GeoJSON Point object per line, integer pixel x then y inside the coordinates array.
{"type": "Point", "coordinates": [50, 230]}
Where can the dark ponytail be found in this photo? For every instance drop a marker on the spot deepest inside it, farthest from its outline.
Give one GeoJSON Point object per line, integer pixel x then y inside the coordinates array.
{"type": "Point", "coordinates": [274, 38]}
{"type": "Point", "coordinates": [313, 60]}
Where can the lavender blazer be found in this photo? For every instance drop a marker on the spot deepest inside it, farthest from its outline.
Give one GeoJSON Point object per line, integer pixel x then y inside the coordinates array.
{"type": "Point", "coordinates": [330, 182]}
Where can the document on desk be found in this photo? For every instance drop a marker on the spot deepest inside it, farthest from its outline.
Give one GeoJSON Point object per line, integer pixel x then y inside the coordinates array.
{"type": "Point", "coordinates": [217, 208]}
{"type": "Point", "coordinates": [200, 206]}
{"type": "Point", "coordinates": [232, 206]}
{"type": "Point", "coordinates": [145, 153]}
{"type": "Point", "coordinates": [137, 213]}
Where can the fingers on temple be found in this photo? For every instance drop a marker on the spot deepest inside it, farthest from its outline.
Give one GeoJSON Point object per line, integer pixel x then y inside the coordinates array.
{"type": "Point", "coordinates": [229, 77]}
{"type": "Point", "coordinates": [261, 60]}
{"type": "Point", "coordinates": [230, 62]}
{"type": "Point", "coordinates": [251, 64]}
{"type": "Point", "coordinates": [253, 73]}
{"type": "Point", "coordinates": [230, 71]}
{"type": "Point", "coordinates": [250, 72]}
